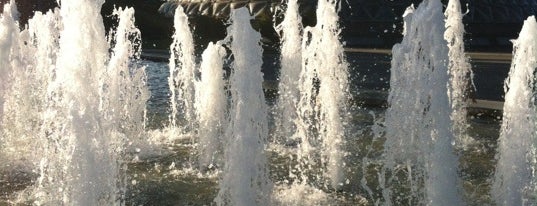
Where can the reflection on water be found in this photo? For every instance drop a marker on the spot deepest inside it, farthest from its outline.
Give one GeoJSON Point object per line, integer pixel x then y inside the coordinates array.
{"type": "Point", "coordinates": [363, 164]}
{"type": "Point", "coordinates": [98, 147]}
{"type": "Point", "coordinates": [161, 174]}
{"type": "Point", "coordinates": [181, 182]}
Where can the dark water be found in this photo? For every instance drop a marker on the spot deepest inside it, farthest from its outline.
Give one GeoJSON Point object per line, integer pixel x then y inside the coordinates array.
{"type": "Point", "coordinates": [163, 175]}
{"type": "Point", "coordinates": [163, 186]}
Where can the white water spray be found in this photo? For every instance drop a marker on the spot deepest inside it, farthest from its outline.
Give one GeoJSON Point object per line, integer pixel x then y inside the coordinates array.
{"type": "Point", "coordinates": [514, 181]}
{"type": "Point", "coordinates": [76, 106]}
{"type": "Point", "coordinates": [211, 104]}
{"type": "Point", "coordinates": [418, 127]}
{"type": "Point", "coordinates": [16, 88]}
{"type": "Point", "coordinates": [8, 37]}
{"type": "Point", "coordinates": [125, 94]}
{"type": "Point", "coordinates": [23, 136]}
{"type": "Point", "coordinates": [182, 74]}
{"type": "Point", "coordinates": [85, 149]}
{"type": "Point", "coordinates": [322, 107]}
{"type": "Point", "coordinates": [460, 72]}
{"type": "Point", "coordinates": [291, 63]}
{"type": "Point", "coordinates": [245, 178]}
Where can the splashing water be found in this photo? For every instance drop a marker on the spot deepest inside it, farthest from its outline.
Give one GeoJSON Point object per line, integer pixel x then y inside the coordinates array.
{"type": "Point", "coordinates": [70, 110]}
{"type": "Point", "coordinates": [245, 178]}
{"type": "Point", "coordinates": [418, 150]}
{"type": "Point", "coordinates": [323, 85]}
{"type": "Point", "coordinates": [82, 105]}
{"type": "Point", "coordinates": [460, 72]}
{"type": "Point", "coordinates": [291, 63]}
{"type": "Point", "coordinates": [16, 88]}
{"type": "Point", "coordinates": [8, 49]}
{"type": "Point", "coordinates": [24, 125]}
{"type": "Point", "coordinates": [517, 143]}
{"type": "Point", "coordinates": [125, 93]}
{"type": "Point", "coordinates": [293, 80]}
{"type": "Point", "coordinates": [182, 74]}
{"type": "Point", "coordinates": [211, 104]}
{"type": "Point", "coordinates": [81, 57]}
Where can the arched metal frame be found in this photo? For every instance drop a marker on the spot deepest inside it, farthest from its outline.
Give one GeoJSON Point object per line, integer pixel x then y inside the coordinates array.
{"type": "Point", "coordinates": [490, 24]}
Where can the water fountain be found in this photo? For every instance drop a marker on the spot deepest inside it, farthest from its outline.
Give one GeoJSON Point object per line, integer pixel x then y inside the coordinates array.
{"type": "Point", "coordinates": [73, 116]}
{"type": "Point", "coordinates": [10, 31]}
{"type": "Point", "coordinates": [290, 30]}
{"type": "Point", "coordinates": [461, 76]}
{"type": "Point", "coordinates": [182, 76]}
{"type": "Point", "coordinates": [418, 151]}
{"type": "Point", "coordinates": [85, 105]}
{"type": "Point", "coordinates": [245, 180]}
{"type": "Point", "coordinates": [514, 182]}
{"type": "Point", "coordinates": [211, 114]}
{"type": "Point", "coordinates": [312, 102]}
{"type": "Point", "coordinates": [323, 55]}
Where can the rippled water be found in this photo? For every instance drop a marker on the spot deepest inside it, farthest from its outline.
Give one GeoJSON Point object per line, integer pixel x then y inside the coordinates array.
{"type": "Point", "coordinates": [162, 174]}
{"type": "Point", "coordinates": [158, 164]}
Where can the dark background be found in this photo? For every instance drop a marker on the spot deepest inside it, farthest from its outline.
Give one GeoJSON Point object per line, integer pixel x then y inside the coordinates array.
{"type": "Point", "coordinates": [490, 24]}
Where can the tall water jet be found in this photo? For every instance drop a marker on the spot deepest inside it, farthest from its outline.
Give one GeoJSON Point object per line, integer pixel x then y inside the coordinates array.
{"type": "Point", "coordinates": [324, 89]}
{"type": "Point", "coordinates": [418, 152]}
{"type": "Point", "coordinates": [83, 149]}
{"type": "Point", "coordinates": [124, 94]}
{"type": "Point", "coordinates": [93, 106]}
{"type": "Point", "coordinates": [15, 87]}
{"type": "Point", "coordinates": [514, 180]}
{"type": "Point", "coordinates": [8, 28]}
{"type": "Point", "coordinates": [26, 81]}
{"type": "Point", "coordinates": [245, 178]}
{"type": "Point", "coordinates": [182, 74]}
{"type": "Point", "coordinates": [211, 104]}
{"type": "Point", "coordinates": [290, 30]}
{"type": "Point", "coordinates": [26, 85]}
{"type": "Point", "coordinates": [459, 68]}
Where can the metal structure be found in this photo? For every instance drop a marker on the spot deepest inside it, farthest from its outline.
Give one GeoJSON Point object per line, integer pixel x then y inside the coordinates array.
{"type": "Point", "coordinates": [482, 11]}
{"type": "Point", "coordinates": [217, 8]}
{"type": "Point", "coordinates": [490, 24]}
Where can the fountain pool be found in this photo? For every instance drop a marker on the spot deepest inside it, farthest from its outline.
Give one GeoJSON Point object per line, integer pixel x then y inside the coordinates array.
{"type": "Point", "coordinates": [152, 180]}
{"type": "Point", "coordinates": [112, 129]}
